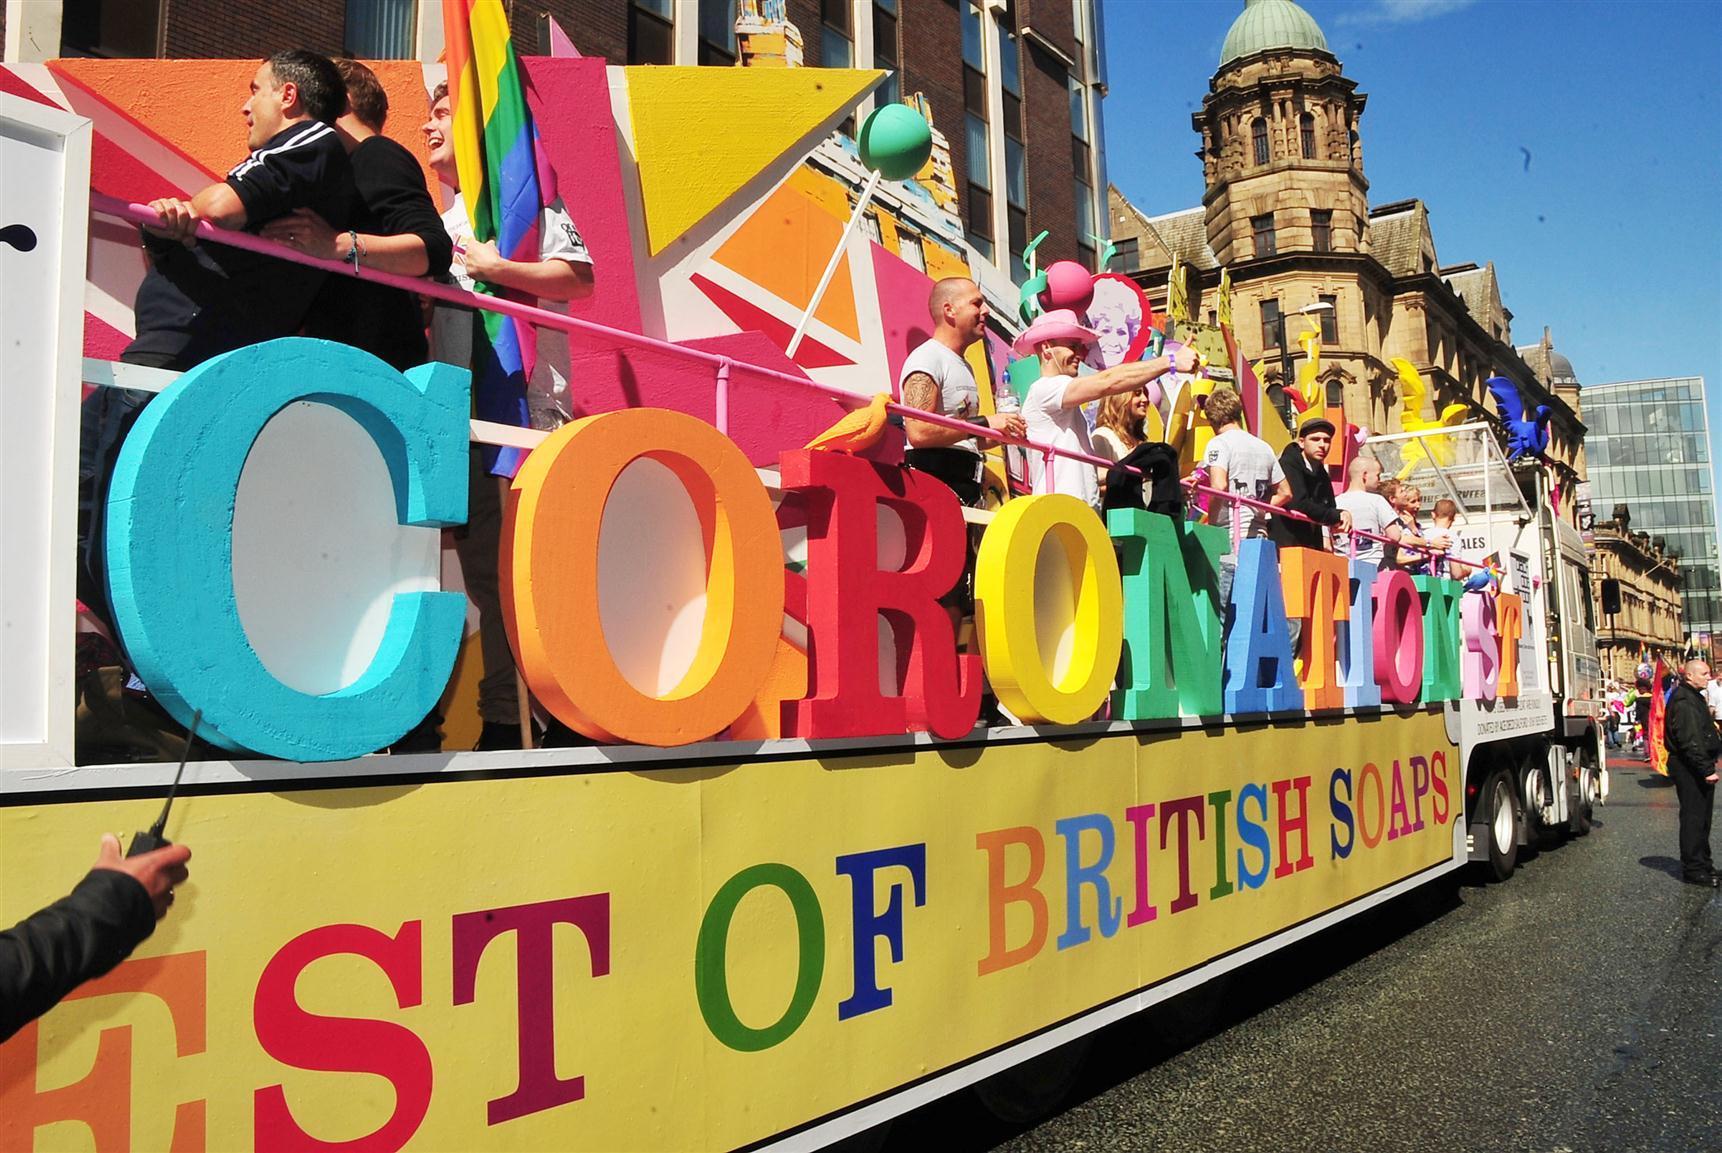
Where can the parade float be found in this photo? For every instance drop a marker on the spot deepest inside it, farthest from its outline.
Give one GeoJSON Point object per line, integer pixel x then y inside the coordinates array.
{"type": "Point", "coordinates": [794, 888]}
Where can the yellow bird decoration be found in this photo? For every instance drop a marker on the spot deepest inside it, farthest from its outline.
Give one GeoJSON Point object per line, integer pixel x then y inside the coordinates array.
{"type": "Point", "coordinates": [1307, 384]}
{"type": "Point", "coordinates": [858, 430]}
{"type": "Point", "coordinates": [1412, 393]}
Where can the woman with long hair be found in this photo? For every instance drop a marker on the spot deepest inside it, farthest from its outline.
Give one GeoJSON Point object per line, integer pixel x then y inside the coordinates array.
{"type": "Point", "coordinates": [1120, 426]}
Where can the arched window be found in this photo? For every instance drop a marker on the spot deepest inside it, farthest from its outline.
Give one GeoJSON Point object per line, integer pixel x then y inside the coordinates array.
{"type": "Point", "coordinates": [1259, 130]}
{"type": "Point", "coordinates": [1335, 392]}
{"type": "Point", "coordinates": [1306, 129]}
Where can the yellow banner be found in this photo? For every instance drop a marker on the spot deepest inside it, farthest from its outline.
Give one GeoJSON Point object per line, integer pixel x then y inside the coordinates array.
{"type": "Point", "coordinates": [667, 959]}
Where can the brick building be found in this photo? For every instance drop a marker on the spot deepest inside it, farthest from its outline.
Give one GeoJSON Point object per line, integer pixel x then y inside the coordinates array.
{"type": "Point", "coordinates": [1014, 85]}
{"type": "Point", "coordinates": [1286, 210]}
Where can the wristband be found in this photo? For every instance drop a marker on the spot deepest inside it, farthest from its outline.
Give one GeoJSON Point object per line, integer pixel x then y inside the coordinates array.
{"type": "Point", "coordinates": [980, 420]}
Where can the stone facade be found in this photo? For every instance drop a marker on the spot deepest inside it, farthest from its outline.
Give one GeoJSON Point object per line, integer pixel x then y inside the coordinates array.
{"type": "Point", "coordinates": [1648, 624]}
{"type": "Point", "coordinates": [1286, 211]}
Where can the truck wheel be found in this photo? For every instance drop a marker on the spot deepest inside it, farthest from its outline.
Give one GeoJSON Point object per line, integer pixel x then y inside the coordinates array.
{"type": "Point", "coordinates": [1500, 814]}
{"type": "Point", "coordinates": [1026, 1093]}
{"type": "Point", "coordinates": [1589, 788]}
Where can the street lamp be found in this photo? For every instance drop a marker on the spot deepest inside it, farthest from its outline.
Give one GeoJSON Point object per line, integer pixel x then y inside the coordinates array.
{"type": "Point", "coordinates": [1286, 382]}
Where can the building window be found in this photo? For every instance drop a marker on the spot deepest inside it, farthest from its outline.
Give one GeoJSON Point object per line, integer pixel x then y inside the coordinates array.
{"type": "Point", "coordinates": [977, 136]}
{"type": "Point", "coordinates": [1335, 391]}
{"type": "Point", "coordinates": [1129, 257]}
{"type": "Point", "coordinates": [1262, 229]}
{"type": "Point", "coordinates": [1078, 109]}
{"type": "Point", "coordinates": [717, 32]}
{"type": "Point", "coordinates": [1306, 134]}
{"type": "Point", "coordinates": [887, 52]}
{"type": "Point", "coordinates": [1259, 132]}
{"type": "Point", "coordinates": [1085, 226]}
{"type": "Point", "coordinates": [912, 251]}
{"type": "Point", "coordinates": [974, 51]}
{"type": "Point", "coordinates": [1270, 324]}
{"type": "Point", "coordinates": [837, 39]}
{"type": "Point", "coordinates": [1330, 320]}
{"type": "Point", "coordinates": [1321, 229]}
{"type": "Point", "coordinates": [651, 32]}
{"type": "Point", "coordinates": [124, 29]}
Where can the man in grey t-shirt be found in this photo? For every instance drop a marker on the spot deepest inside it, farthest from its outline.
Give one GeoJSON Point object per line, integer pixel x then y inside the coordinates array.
{"type": "Point", "coordinates": [936, 378]}
{"type": "Point", "coordinates": [1370, 512]}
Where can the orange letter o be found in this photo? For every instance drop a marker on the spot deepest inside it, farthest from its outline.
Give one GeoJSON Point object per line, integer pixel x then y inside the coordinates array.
{"type": "Point", "coordinates": [550, 577]}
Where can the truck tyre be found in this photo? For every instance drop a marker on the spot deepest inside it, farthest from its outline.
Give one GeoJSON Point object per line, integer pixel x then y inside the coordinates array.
{"type": "Point", "coordinates": [1589, 786]}
{"type": "Point", "coordinates": [1499, 813]}
{"type": "Point", "coordinates": [1026, 1093]}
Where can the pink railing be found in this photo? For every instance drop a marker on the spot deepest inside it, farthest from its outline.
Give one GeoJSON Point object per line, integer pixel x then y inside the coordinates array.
{"type": "Point", "coordinates": [722, 365]}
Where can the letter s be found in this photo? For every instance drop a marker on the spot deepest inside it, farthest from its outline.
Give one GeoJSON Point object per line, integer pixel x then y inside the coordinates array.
{"type": "Point", "coordinates": [342, 1044]}
{"type": "Point", "coordinates": [1341, 813]}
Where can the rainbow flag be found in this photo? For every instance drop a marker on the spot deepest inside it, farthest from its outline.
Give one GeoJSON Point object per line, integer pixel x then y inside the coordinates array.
{"type": "Point", "coordinates": [505, 181]}
{"type": "Point", "coordinates": [1655, 739]}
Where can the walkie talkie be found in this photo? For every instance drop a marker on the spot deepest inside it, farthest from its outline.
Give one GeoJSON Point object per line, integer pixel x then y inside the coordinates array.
{"type": "Point", "coordinates": [153, 839]}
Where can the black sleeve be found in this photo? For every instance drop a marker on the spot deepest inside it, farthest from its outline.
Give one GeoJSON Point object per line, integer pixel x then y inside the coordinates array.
{"type": "Point", "coordinates": [1685, 738]}
{"type": "Point", "coordinates": [78, 937]}
{"type": "Point", "coordinates": [287, 174]}
{"type": "Point", "coordinates": [392, 189]}
{"type": "Point", "coordinates": [1303, 498]}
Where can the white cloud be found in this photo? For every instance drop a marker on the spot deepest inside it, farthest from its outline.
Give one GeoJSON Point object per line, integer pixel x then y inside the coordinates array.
{"type": "Point", "coordinates": [1404, 11]}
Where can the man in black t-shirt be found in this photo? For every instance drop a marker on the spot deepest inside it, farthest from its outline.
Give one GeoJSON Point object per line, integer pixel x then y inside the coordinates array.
{"type": "Point", "coordinates": [199, 300]}
{"type": "Point", "coordinates": [395, 228]}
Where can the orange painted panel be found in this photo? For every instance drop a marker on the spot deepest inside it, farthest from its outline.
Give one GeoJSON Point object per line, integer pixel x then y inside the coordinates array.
{"type": "Point", "coordinates": [193, 105]}
{"type": "Point", "coordinates": [783, 248]}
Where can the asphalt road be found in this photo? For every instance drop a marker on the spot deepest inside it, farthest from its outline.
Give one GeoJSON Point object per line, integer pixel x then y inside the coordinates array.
{"type": "Point", "coordinates": [1576, 1007]}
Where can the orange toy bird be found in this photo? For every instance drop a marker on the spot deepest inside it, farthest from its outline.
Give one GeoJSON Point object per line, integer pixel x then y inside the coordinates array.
{"type": "Point", "coordinates": [857, 431]}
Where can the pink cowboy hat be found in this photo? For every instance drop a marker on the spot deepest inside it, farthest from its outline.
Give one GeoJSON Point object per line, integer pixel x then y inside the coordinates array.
{"type": "Point", "coordinates": [1059, 324]}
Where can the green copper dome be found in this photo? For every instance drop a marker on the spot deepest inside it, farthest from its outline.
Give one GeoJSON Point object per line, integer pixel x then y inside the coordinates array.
{"type": "Point", "coordinates": [1269, 24]}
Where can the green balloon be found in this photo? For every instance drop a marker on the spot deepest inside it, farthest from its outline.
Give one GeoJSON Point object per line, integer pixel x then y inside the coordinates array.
{"type": "Point", "coordinates": [896, 141]}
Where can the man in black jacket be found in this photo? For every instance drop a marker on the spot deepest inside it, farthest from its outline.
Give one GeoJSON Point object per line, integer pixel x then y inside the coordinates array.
{"type": "Point", "coordinates": [85, 934]}
{"type": "Point", "coordinates": [1305, 466]}
{"type": "Point", "coordinates": [1693, 744]}
{"type": "Point", "coordinates": [395, 228]}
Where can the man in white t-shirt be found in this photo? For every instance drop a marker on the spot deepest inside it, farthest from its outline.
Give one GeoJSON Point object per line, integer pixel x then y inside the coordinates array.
{"type": "Point", "coordinates": [936, 378]}
{"type": "Point", "coordinates": [1240, 464]}
{"type": "Point", "coordinates": [1370, 512]}
{"type": "Point", "coordinates": [1713, 698]}
{"type": "Point", "coordinates": [1053, 406]}
{"type": "Point", "coordinates": [562, 272]}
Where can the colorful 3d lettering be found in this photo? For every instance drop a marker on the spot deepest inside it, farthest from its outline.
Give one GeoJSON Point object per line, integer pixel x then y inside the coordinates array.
{"type": "Point", "coordinates": [1172, 634]}
{"type": "Point", "coordinates": [170, 545]}
{"type": "Point", "coordinates": [1259, 673]}
{"type": "Point", "coordinates": [566, 524]}
{"type": "Point", "coordinates": [1049, 609]}
{"type": "Point", "coordinates": [1317, 592]}
{"type": "Point", "coordinates": [846, 592]}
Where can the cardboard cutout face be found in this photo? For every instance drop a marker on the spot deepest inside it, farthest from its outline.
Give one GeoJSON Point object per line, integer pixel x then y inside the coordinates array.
{"type": "Point", "coordinates": [1123, 318]}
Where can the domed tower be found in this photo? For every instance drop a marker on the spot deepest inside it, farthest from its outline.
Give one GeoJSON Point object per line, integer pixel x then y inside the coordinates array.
{"type": "Point", "coordinates": [1280, 146]}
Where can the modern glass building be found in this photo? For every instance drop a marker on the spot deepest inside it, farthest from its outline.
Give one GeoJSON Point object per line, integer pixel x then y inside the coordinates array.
{"type": "Point", "coordinates": [1648, 445]}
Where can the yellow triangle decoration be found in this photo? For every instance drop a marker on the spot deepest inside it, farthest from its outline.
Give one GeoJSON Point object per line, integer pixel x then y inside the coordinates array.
{"type": "Point", "coordinates": [701, 134]}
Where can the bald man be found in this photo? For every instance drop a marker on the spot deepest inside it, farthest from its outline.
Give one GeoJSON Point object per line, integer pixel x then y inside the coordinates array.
{"type": "Point", "coordinates": [1693, 745]}
{"type": "Point", "coordinates": [936, 378]}
{"type": "Point", "coordinates": [1369, 511]}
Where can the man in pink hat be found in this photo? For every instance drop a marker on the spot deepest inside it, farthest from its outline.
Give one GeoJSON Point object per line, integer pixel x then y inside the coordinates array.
{"type": "Point", "coordinates": [1053, 407]}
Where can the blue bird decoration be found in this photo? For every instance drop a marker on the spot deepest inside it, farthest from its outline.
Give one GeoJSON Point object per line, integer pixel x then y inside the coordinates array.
{"type": "Point", "coordinates": [1527, 432]}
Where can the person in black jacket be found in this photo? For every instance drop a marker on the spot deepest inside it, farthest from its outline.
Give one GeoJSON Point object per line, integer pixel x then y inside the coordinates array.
{"type": "Point", "coordinates": [1693, 745]}
{"type": "Point", "coordinates": [394, 228]}
{"type": "Point", "coordinates": [85, 934]}
{"type": "Point", "coordinates": [1305, 466]}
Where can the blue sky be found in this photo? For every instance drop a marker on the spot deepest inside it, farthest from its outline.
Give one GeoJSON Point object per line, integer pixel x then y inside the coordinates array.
{"type": "Point", "coordinates": [1612, 236]}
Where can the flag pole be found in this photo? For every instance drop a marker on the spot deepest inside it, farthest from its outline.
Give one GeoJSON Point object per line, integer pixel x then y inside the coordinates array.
{"type": "Point", "coordinates": [842, 251]}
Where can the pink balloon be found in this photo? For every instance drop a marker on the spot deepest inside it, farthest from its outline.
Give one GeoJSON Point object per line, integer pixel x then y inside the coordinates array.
{"type": "Point", "coordinates": [1068, 285]}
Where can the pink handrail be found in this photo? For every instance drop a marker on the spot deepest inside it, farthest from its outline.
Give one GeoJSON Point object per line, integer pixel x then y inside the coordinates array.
{"type": "Point", "coordinates": [143, 214]}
